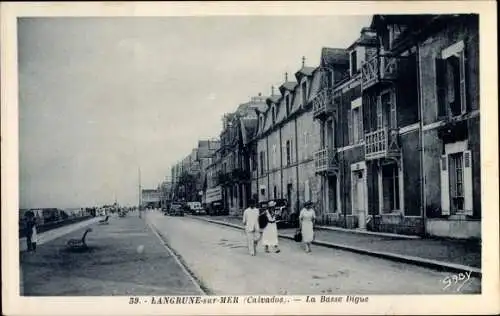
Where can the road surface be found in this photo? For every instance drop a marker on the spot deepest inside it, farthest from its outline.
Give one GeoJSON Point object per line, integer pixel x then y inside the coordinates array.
{"type": "Point", "coordinates": [218, 256]}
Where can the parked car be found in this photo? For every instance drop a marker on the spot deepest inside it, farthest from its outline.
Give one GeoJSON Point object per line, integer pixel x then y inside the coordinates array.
{"type": "Point", "coordinates": [216, 209]}
{"type": "Point", "coordinates": [176, 209]}
{"type": "Point", "coordinates": [196, 209]}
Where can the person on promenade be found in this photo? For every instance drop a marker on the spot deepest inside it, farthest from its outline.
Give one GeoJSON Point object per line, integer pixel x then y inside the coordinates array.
{"type": "Point", "coordinates": [306, 220]}
{"type": "Point", "coordinates": [252, 229]}
{"type": "Point", "coordinates": [31, 231]}
{"type": "Point", "coordinates": [270, 234]}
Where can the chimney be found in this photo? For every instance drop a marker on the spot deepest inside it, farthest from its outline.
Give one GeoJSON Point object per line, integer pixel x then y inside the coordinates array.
{"type": "Point", "coordinates": [303, 61]}
{"type": "Point", "coordinates": [272, 90]}
{"type": "Point", "coordinates": [286, 76]}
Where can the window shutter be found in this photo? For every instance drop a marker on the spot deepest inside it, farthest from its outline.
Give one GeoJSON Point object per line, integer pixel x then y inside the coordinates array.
{"type": "Point", "coordinates": [445, 186]}
{"type": "Point", "coordinates": [361, 134]}
{"type": "Point", "coordinates": [349, 124]}
{"type": "Point", "coordinates": [441, 86]}
{"type": "Point", "coordinates": [468, 182]}
{"type": "Point", "coordinates": [379, 113]}
{"type": "Point", "coordinates": [463, 86]}
{"type": "Point", "coordinates": [307, 196]}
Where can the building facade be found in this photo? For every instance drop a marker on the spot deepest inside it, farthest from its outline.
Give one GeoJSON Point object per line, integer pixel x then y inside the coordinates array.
{"type": "Point", "coordinates": [383, 135]}
{"type": "Point", "coordinates": [404, 130]}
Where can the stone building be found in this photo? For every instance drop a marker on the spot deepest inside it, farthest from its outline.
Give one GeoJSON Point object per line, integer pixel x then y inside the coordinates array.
{"type": "Point", "coordinates": [286, 140]}
{"type": "Point", "coordinates": [194, 165]}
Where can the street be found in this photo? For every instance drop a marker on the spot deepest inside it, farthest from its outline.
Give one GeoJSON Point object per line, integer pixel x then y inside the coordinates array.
{"type": "Point", "coordinates": [218, 256]}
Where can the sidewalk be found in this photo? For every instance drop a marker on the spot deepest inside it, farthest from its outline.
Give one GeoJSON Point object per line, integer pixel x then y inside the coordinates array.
{"type": "Point", "coordinates": [124, 258]}
{"type": "Point", "coordinates": [52, 234]}
{"type": "Point", "coordinates": [447, 253]}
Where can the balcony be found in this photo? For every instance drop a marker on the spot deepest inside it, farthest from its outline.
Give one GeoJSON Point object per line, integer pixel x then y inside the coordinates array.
{"type": "Point", "coordinates": [382, 143]}
{"type": "Point", "coordinates": [240, 174]}
{"type": "Point", "coordinates": [324, 104]}
{"type": "Point", "coordinates": [326, 161]}
{"type": "Point", "coordinates": [379, 69]}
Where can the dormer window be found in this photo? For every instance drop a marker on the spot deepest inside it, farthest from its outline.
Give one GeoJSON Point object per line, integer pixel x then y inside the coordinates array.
{"type": "Point", "coordinates": [287, 101]}
{"type": "Point", "coordinates": [304, 93]}
{"type": "Point", "coordinates": [274, 115]}
{"type": "Point", "coordinates": [353, 62]}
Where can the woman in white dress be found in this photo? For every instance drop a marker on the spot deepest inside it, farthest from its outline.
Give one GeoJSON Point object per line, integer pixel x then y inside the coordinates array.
{"type": "Point", "coordinates": [306, 219]}
{"type": "Point", "coordinates": [270, 233]}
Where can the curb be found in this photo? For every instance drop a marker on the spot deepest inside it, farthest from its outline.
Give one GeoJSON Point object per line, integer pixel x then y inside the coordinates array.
{"type": "Point", "coordinates": [428, 263]}
{"type": "Point", "coordinates": [178, 258]}
{"type": "Point", "coordinates": [380, 234]}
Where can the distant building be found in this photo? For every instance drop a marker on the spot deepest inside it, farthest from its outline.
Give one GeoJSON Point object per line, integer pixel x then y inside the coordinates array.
{"type": "Point", "coordinates": [150, 198]}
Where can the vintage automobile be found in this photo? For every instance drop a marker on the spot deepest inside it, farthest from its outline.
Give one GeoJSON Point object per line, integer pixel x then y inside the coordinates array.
{"type": "Point", "coordinates": [216, 209]}
{"type": "Point", "coordinates": [176, 209]}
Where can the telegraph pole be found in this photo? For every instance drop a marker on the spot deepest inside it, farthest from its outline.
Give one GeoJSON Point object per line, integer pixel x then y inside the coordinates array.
{"type": "Point", "coordinates": [140, 193]}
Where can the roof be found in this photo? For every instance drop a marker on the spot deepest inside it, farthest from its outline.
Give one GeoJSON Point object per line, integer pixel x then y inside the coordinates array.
{"type": "Point", "coordinates": [365, 39]}
{"type": "Point", "coordinates": [248, 128]}
{"type": "Point", "coordinates": [273, 99]}
{"type": "Point", "coordinates": [315, 85]}
{"type": "Point", "coordinates": [334, 56]}
{"type": "Point", "coordinates": [402, 19]}
{"type": "Point", "coordinates": [288, 85]}
{"type": "Point", "coordinates": [304, 71]}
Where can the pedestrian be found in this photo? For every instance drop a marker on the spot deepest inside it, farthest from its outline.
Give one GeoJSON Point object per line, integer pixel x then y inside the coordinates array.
{"type": "Point", "coordinates": [270, 233]}
{"type": "Point", "coordinates": [31, 231]}
{"type": "Point", "coordinates": [251, 222]}
{"type": "Point", "coordinates": [306, 220]}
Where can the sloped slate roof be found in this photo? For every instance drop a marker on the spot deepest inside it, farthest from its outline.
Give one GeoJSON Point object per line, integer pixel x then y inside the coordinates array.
{"type": "Point", "coordinates": [315, 85]}
{"type": "Point", "coordinates": [334, 56]}
{"type": "Point", "coordinates": [274, 98]}
{"type": "Point", "coordinates": [268, 121]}
{"type": "Point", "coordinates": [296, 101]}
{"type": "Point", "coordinates": [288, 85]}
{"type": "Point", "coordinates": [248, 128]}
{"type": "Point", "coordinates": [281, 111]}
{"type": "Point", "coordinates": [304, 71]}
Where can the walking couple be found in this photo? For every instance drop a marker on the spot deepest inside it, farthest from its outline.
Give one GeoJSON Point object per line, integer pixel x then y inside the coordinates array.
{"type": "Point", "coordinates": [269, 236]}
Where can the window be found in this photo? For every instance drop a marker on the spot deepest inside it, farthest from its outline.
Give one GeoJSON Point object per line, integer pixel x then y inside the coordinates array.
{"type": "Point", "coordinates": [456, 182]}
{"type": "Point", "coordinates": [288, 152]}
{"type": "Point", "coordinates": [450, 81]}
{"type": "Point", "coordinates": [287, 100]}
{"type": "Point", "coordinates": [353, 62]}
{"type": "Point", "coordinates": [275, 192]}
{"type": "Point", "coordinates": [456, 179]}
{"type": "Point", "coordinates": [304, 93]}
{"type": "Point", "coordinates": [254, 161]}
{"type": "Point", "coordinates": [274, 115]}
{"type": "Point", "coordinates": [261, 162]}
{"type": "Point", "coordinates": [390, 183]}
{"type": "Point", "coordinates": [355, 121]}
{"type": "Point", "coordinates": [386, 111]}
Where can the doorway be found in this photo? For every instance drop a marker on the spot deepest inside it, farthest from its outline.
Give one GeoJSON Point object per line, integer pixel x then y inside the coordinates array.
{"type": "Point", "coordinates": [359, 197]}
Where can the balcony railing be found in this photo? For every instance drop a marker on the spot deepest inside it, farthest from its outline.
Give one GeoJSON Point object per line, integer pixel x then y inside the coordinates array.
{"type": "Point", "coordinates": [240, 174]}
{"type": "Point", "coordinates": [382, 143]}
{"type": "Point", "coordinates": [379, 69]}
{"type": "Point", "coordinates": [323, 103]}
{"type": "Point", "coordinates": [326, 161]}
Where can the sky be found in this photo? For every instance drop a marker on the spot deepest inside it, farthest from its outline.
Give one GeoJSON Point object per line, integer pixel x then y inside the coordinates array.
{"type": "Point", "coordinates": [101, 98]}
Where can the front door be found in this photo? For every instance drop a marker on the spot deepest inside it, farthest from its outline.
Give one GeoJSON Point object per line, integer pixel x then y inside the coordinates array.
{"type": "Point", "coordinates": [359, 198]}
